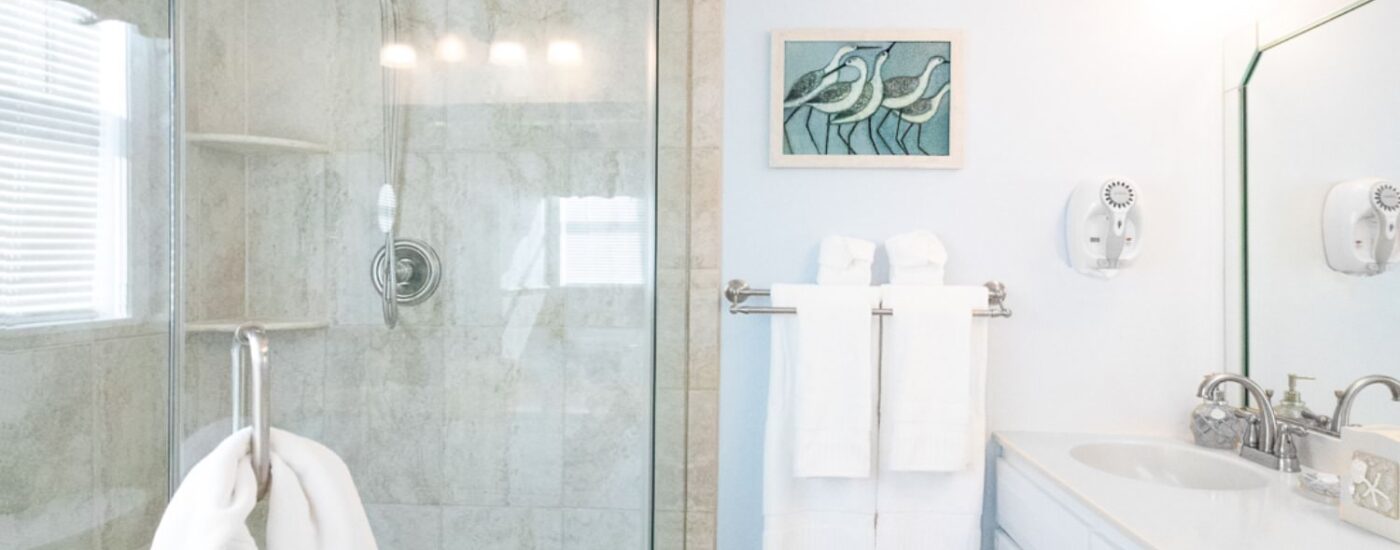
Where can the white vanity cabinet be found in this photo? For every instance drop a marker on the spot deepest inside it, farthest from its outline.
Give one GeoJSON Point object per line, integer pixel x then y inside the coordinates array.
{"type": "Point", "coordinates": [1033, 514]}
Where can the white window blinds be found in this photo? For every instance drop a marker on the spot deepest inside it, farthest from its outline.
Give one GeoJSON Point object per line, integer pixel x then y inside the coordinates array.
{"type": "Point", "coordinates": [63, 111]}
{"type": "Point", "coordinates": [601, 241]}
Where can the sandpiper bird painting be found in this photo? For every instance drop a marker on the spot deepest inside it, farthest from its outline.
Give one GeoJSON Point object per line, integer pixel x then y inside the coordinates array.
{"type": "Point", "coordinates": [866, 99]}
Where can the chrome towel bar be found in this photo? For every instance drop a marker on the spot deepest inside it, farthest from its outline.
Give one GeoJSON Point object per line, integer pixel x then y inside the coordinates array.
{"type": "Point", "coordinates": [738, 291]}
{"type": "Point", "coordinates": [253, 398]}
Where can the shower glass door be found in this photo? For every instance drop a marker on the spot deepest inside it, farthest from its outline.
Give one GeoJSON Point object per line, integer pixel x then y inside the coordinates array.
{"type": "Point", "coordinates": [511, 408]}
{"type": "Point", "coordinates": [85, 187]}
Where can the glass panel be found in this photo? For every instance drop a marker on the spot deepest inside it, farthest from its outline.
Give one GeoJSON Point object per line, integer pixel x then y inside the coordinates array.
{"type": "Point", "coordinates": [1322, 112]}
{"type": "Point", "coordinates": [84, 272]}
{"type": "Point", "coordinates": [512, 407]}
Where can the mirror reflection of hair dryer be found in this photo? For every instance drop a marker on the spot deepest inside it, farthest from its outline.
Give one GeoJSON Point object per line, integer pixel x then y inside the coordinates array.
{"type": "Point", "coordinates": [1103, 222]}
{"type": "Point", "coordinates": [1359, 221]}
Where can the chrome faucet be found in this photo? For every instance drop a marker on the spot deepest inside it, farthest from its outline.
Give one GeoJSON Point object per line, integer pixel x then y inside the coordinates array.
{"type": "Point", "coordinates": [1347, 397]}
{"type": "Point", "coordinates": [1264, 449]}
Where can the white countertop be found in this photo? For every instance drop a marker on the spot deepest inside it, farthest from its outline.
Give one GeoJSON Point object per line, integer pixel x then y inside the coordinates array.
{"type": "Point", "coordinates": [1274, 517]}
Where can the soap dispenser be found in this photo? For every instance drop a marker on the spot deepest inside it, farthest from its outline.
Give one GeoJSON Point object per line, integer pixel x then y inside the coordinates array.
{"type": "Point", "coordinates": [1214, 423]}
{"type": "Point", "coordinates": [1292, 405]}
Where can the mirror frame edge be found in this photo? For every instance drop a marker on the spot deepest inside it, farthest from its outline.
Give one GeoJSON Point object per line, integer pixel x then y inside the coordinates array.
{"type": "Point", "coordinates": [1242, 52]}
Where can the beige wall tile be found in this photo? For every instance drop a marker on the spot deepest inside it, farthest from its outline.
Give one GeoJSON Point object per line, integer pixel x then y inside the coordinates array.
{"type": "Point", "coordinates": [215, 231]}
{"type": "Point", "coordinates": [540, 528]}
{"type": "Point", "coordinates": [703, 350]}
{"type": "Point", "coordinates": [705, 207]}
{"type": "Point", "coordinates": [48, 421]}
{"type": "Point", "coordinates": [408, 526]}
{"type": "Point", "coordinates": [702, 457]}
{"type": "Point", "coordinates": [130, 446]}
{"type": "Point", "coordinates": [700, 531]}
{"type": "Point", "coordinates": [217, 61]}
{"type": "Point", "coordinates": [668, 531]}
{"type": "Point", "coordinates": [670, 453]}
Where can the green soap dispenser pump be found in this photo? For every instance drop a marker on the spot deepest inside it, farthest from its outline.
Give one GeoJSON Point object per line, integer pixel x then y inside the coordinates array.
{"type": "Point", "coordinates": [1292, 405]}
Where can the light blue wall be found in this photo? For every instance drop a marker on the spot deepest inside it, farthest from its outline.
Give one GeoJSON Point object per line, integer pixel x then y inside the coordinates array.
{"type": "Point", "coordinates": [1057, 93]}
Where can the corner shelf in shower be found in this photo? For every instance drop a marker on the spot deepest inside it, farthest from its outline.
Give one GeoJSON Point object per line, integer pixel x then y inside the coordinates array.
{"type": "Point", "coordinates": [228, 325]}
{"type": "Point", "coordinates": [244, 144]}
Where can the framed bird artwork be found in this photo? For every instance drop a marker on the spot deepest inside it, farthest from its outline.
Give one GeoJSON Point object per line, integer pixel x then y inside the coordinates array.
{"type": "Point", "coordinates": [867, 99]}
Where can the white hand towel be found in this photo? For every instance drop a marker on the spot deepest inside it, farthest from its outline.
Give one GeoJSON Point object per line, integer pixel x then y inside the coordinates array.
{"type": "Point", "coordinates": [927, 372]}
{"type": "Point", "coordinates": [916, 258]}
{"type": "Point", "coordinates": [935, 510]}
{"type": "Point", "coordinates": [805, 513]}
{"type": "Point", "coordinates": [834, 379]}
{"type": "Point", "coordinates": [312, 501]}
{"type": "Point", "coordinates": [845, 261]}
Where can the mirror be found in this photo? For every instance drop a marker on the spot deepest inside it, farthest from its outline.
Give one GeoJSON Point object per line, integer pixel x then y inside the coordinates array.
{"type": "Point", "coordinates": [1321, 170]}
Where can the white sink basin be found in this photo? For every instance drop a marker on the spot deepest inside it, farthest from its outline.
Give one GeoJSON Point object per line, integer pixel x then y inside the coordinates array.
{"type": "Point", "coordinates": [1171, 465]}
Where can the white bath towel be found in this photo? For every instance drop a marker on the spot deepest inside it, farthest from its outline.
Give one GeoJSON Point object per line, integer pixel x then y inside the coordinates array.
{"type": "Point", "coordinates": [916, 258]}
{"type": "Point", "coordinates": [812, 513]}
{"type": "Point", "coordinates": [312, 501]}
{"type": "Point", "coordinates": [927, 374]}
{"type": "Point", "coordinates": [845, 261]}
{"type": "Point", "coordinates": [920, 510]}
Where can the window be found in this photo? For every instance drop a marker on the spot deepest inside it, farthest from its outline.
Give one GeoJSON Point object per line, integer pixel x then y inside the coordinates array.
{"type": "Point", "coordinates": [600, 241]}
{"type": "Point", "coordinates": [63, 116]}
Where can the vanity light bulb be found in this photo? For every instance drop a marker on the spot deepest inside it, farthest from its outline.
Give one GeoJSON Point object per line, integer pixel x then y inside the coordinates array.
{"type": "Point", "coordinates": [565, 52]}
{"type": "Point", "coordinates": [508, 54]}
{"type": "Point", "coordinates": [451, 49]}
{"type": "Point", "coordinates": [398, 56]}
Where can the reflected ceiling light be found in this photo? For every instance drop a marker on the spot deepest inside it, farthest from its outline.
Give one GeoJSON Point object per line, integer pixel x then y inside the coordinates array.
{"type": "Point", "coordinates": [451, 49]}
{"type": "Point", "coordinates": [565, 52]}
{"type": "Point", "coordinates": [508, 54]}
{"type": "Point", "coordinates": [398, 56]}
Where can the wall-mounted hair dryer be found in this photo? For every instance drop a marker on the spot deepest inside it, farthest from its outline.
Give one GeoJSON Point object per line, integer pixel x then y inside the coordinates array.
{"type": "Point", "coordinates": [1102, 226]}
{"type": "Point", "coordinates": [1359, 225]}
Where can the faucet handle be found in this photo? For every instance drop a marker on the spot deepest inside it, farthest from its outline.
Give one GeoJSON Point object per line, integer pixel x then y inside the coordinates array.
{"type": "Point", "coordinates": [1292, 430]}
{"type": "Point", "coordinates": [1316, 420]}
{"type": "Point", "coordinates": [1287, 449]}
{"type": "Point", "coordinates": [1250, 437]}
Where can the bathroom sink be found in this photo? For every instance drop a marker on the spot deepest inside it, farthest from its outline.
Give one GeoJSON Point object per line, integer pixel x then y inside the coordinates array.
{"type": "Point", "coordinates": [1170, 465]}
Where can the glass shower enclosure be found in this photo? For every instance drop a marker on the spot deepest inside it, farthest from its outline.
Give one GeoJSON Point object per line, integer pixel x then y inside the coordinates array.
{"type": "Point", "coordinates": [170, 171]}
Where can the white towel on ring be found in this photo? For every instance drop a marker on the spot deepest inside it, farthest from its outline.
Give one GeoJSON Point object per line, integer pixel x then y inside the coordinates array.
{"type": "Point", "coordinates": [312, 500]}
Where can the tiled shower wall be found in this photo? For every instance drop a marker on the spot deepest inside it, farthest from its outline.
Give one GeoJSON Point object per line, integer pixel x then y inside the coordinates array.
{"type": "Point", "coordinates": [690, 72]}
{"type": "Point", "coordinates": [508, 409]}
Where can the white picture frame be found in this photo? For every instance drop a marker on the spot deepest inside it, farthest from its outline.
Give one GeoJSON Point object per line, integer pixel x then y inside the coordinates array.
{"type": "Point", "coordinates": [809, 135]}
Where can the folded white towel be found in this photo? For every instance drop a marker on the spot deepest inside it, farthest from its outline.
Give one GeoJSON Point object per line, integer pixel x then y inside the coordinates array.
{"type": "Point", "coordinates": [916, 258]}
{"type": "Point", "coordinates": [920, 510]}
{"type": "Point", "coordinates": [312, 501]}
{"type": "Point", "coordinates": [811, 513]}
{"type": "Point", "coordinates": [845, 261]}
{"type": "Point", "coordinates": [834, 405]}
{"type": "Point", "coordinates": [927, 374]}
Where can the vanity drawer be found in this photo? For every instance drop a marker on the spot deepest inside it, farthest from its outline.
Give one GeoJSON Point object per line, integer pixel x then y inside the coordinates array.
{"type": "Point", "coordinates": [1034, 519]}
